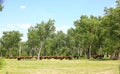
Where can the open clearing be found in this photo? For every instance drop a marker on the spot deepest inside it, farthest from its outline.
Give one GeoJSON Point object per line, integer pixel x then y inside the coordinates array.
{"type": "Point", "coordinates": [61, 67]}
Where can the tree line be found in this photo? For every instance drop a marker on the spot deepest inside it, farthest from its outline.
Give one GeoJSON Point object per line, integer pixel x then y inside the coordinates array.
{"type": "Point", "coordinates": [92, 35]}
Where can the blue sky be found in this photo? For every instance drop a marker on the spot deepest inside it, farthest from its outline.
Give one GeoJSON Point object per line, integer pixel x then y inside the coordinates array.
{"type": "Point", "coordinates": [21, 14]}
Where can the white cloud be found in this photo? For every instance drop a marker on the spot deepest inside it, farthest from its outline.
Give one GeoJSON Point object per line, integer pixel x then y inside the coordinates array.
{"type": "Point", "coordinates": [10, 27]}
{"type": "Point", "coordinates": [20, 27]}
{"type": "Point", "coordinates": [62, 28]}
{"type": "Point", "coordinates": [24, 26]}
{"type": "Point", "coordinates": [22, 7]}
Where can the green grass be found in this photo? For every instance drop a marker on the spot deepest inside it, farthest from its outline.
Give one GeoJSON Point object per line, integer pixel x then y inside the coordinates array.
{"type": "Point", "coordinates": [61, 67]}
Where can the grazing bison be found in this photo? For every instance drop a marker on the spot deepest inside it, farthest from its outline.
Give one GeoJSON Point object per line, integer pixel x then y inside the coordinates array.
{"type": "Point", "coordinates": [45, 57]}
{"type": "Point", "coordinates": [116, 58]}
{"type": "Point", "coordinates": [21, 57]}
{"type": "Point", "coordinates": [76, 57]}
{"type": "Point", "coordinates": [11, 57]}
{"type": "Point", "coordinates": [68, 57]}
{"type": "Point", "coordinates": [98, 56]}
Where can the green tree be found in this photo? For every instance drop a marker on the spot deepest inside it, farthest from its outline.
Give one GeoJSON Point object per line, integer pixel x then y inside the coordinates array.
{"type": "Point", "coordinates": [71, 42]}
{"type": "Point", "coordinates": [24, 49]}
{"type": "Point", "coordinates": [10, 40]}
{"type": "Point", "coordinates": [61, 43]}
{"type": "Point", "coordinates": [33, 41]}
{"type": "Point", "coordinates": [42, 31]}
{"type": "Point", "coordinates": [112, 25]}
{"type": "Point", "coordinates": [86, 32]}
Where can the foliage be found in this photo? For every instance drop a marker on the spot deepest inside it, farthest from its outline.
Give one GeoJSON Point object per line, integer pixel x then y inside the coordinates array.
{"type": "Point", "coordinates": [39, 34]}
{"type": "Point", "coordinates": [10, 40]}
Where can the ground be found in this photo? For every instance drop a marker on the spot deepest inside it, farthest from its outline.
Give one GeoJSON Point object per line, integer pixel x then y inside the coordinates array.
{"type": "Point", "coordinates": [81, 66]}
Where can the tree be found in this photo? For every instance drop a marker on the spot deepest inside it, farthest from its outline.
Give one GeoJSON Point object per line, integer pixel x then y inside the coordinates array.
{"type": "Point", "coordinates": [72, 42]}
{"type": "Point", "coordinates": [33, 40]}
{"type": "Point", "coordinates": [112, 25]}
{"type": "Point", "coordinates": [10, 40]}
{"type": "Point", "coordinates": [61, 43]}
{"type": "Point", "coordinates": [42, 32]}
{"type": "Point", "coordinates": [24, 49]}
{"type": "Point", "coordinates": [86, 29]}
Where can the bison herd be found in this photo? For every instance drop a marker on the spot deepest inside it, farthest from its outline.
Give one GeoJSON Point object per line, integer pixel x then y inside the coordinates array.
{"type": "Point", "coordinates": [98, 56]}
{"type": "Point", "coordinates": [41, 57]}
{"type": "Point", "coordinates": [53, 57]}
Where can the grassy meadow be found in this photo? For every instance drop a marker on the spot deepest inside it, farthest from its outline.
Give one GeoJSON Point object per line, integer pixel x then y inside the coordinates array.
{"type": "Point", "coordinates": [81, 66]}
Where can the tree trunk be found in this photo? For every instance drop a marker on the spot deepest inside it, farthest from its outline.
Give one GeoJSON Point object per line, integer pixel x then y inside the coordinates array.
{"type": "Point", "coordinates": [30, 53]}
{"type": "Point", "coordinates": [107, 55]}
{"type": "Point", "coordinates": [20, 50]}
{"type": "Point", "coordinates": [119, 52]}
{"type": "Point", "coordinates": [89, 51]}
{"type": "Point", "coordinates": [10, 53]}
{"type": "Point", "coordinates": [38, 58]}
{"type": "Point", "coordinates": [111, 56]}
{"type": "Point", "coordinates": [99, 50]}
{"type": "Point", "coordinates": [85, 53]}
{"type": "Point", "coordinates": [35, 50]}
{"type": "Point", "coordinates": [39, 51]}
{"type": "Point", "coordinates": [80, 52]}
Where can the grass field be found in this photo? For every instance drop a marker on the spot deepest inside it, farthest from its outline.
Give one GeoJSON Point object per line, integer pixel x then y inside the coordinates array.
{"type": "Point", "coordinates": [61, 67]}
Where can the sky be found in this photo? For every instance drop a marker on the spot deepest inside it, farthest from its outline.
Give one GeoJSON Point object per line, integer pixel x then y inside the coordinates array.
{"type": "Point", "coordinates": [21, 14]}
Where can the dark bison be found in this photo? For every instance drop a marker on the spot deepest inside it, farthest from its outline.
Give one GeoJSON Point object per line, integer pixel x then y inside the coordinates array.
{"type": "Point", "coordinates": [45, 57]}
{"type": "Point", "coordinates": [98, 56]}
